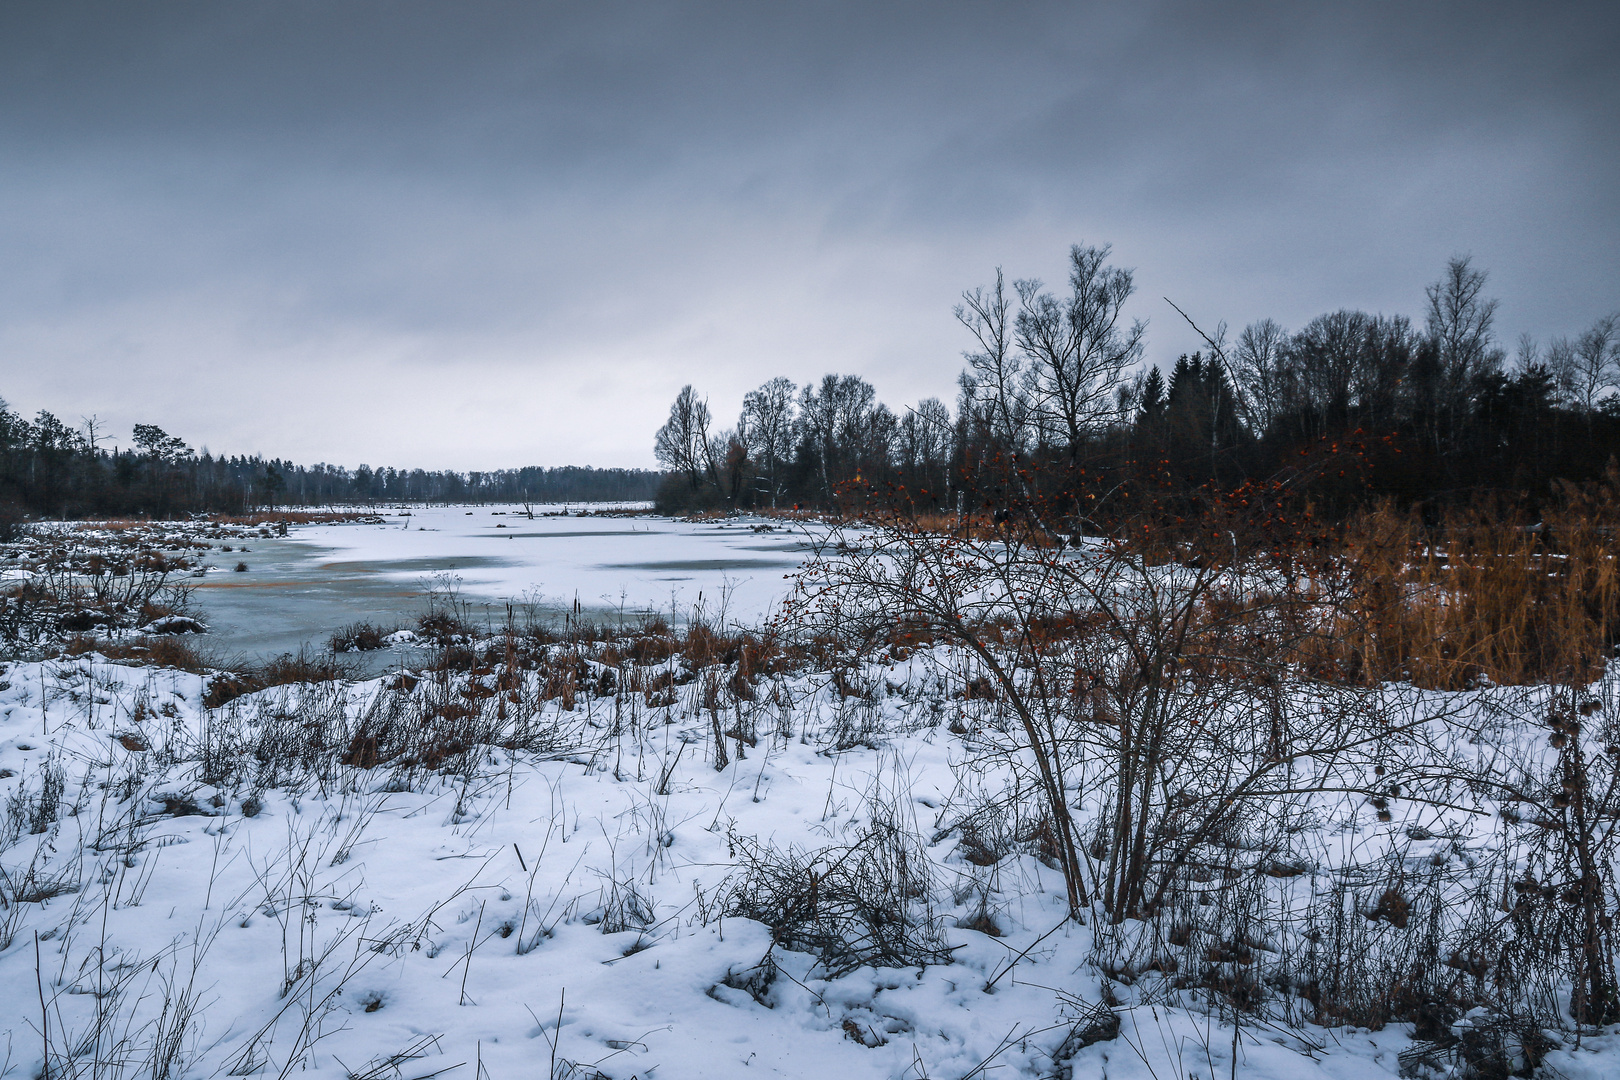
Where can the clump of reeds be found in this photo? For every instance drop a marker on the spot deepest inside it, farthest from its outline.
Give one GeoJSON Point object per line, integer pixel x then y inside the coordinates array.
{"type": "Point", "coordinates": [359, 637]}
{"type": "Point", "coordinates": [304, 666]}
{"type": "Point", "coordinates": [1489, 594]}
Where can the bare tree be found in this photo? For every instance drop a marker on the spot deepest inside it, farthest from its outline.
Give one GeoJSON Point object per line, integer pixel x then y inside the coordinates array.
{"type": "Point", "coordinates": [934, 431]}
{"type": "Point", "coordinates": [1528, 354]}
{"type": "Point", "coordinates": [992, 385]}
{"type": "Point", "coordinates": [1595, 363]}
{"type": "Point", "coordinates": [1323, 357]}
{"type": "Point", "coordinates": [924, 445]}
{"type": "Point", "coordinates": [767, 427]}
{"type": "Point", "coordinates": [1383, 364]}
{"type": "Point", "coordinates": [92, 428]}
{"type": "Point", "coordinates": [728, 462]}
{"type": "Point", "coordinates": [682, 444]}
{"type": "Point", "coordinates": [1260, 373]}
{"type": "Point", "coordinates": [1560, 363]}
{"type": "Point", "coordinates": [1460, 320]}
{"type": "Point", "coordinates": [1076, 347]}
{"type": "Point", "coordinates": [845, 426]}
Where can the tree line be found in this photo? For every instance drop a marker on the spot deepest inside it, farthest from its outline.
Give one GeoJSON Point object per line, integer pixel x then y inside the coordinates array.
{"type": "Point", "coordinates": [50, 469]}
{"type": "Point", "coordinates": [1056, 412]}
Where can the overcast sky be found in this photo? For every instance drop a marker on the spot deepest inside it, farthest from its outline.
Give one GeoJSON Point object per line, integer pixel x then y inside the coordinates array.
{"type": "Point", "coordinates": [477, 235]}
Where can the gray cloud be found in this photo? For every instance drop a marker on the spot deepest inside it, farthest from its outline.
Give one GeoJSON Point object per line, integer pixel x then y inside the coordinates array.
{"type": "Point", "coordinates": [494, 234]}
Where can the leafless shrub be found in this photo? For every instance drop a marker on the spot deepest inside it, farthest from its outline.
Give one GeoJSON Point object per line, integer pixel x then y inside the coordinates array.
{"type": "Point", "coordinates": [1131, 683]}
{"type": "Point", "coordinates": [32, 812]}
{"type": "Point", "coordinates": [624, 907]}
{"type": "Point", "coordinates": [1565, 801]}
{"type": "Point", "coordinates": [304, 666]}
{"type": "Point", "coordinates": [866, 902]}
{"type": "Point", "coordinates": [74, 588]}
{"type": "Point", "coordinates": [1164, 730]}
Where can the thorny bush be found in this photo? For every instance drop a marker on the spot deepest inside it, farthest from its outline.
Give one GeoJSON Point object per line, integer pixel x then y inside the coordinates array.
{"type": "Point", "coordinates": [1186, 713]}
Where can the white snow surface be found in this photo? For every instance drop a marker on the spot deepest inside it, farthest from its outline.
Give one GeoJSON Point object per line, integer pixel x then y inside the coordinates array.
{"type": "Point", "coordinates": [438, 876]}
{"type": "Point", "coordinates": [461, 924]}
{"type": "Point", "coordinates": [561, 914]}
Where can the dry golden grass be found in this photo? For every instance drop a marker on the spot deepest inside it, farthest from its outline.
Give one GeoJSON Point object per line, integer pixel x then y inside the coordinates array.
{"type": "Point", "coordinates": [170, 651]}
{"type": "Point", "coordinates": [1489, 595]}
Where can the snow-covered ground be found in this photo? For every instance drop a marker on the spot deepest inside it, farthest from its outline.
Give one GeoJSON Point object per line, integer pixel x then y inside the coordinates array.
{"type": "Point", "coordinates": [559, 912]}
{"type": "Point", "coordinates": [255, 890]}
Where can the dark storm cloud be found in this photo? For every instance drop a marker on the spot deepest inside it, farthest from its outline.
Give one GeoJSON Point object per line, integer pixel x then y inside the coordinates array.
{"type": "Point", "coordinates": [486, 234]}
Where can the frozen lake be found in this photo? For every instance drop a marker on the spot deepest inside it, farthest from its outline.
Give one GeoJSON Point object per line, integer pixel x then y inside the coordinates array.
{"type": "Point", "coordinates": [303, 587]}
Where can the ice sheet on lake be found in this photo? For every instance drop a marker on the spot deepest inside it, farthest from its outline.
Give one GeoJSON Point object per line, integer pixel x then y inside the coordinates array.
{"type": "Point", "coordinates": [605, 563]}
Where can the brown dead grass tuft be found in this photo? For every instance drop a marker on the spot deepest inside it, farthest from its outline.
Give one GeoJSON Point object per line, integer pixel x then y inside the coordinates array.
{"type": "Point", "coordinates": [162, 650]}
{"type": "Point", "coordinates": [285, 670]}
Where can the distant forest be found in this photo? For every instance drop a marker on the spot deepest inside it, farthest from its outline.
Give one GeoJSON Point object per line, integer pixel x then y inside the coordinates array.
{"type": "Point", "coordinates": [48, 469]}
{"type": "Point", "coordinates": [1056, 414]}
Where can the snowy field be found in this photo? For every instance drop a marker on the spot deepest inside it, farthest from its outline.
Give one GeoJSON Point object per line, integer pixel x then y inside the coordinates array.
{"type": "Point", "coordinates": [677, 866]}
{"type": "Point", "coordinates": [560, 911]}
